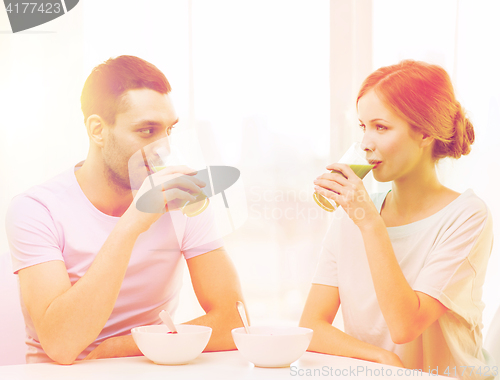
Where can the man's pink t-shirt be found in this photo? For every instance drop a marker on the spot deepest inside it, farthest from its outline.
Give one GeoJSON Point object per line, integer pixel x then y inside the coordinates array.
{"type": "Point", "coordinates": [56, 221]}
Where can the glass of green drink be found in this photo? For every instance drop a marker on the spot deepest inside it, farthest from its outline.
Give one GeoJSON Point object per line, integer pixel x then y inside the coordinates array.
{"type": "Point", "coordinates": [355, 157]}
{"type": "Point", "coordinates": [160, 155]}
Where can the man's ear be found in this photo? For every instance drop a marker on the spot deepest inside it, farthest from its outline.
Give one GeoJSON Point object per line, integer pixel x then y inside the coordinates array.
{"type": "Point", "coordinates": [95, 129]}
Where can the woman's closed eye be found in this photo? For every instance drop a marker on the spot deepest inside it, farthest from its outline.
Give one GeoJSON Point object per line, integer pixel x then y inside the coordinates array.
{"type": "Point", "coordinates": [379, 127]}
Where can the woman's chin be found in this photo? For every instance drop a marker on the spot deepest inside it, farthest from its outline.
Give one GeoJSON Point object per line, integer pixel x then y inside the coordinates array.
{"type": "Point", "coordinates": [380, 177]}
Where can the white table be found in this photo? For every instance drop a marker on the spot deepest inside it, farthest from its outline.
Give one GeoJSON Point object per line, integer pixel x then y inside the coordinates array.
{"type": "Point", "coordinates": [213, 365]}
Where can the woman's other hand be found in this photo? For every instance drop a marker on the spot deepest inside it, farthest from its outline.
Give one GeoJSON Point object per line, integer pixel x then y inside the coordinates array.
{"type": "Point", "coordinates": [390, 358]}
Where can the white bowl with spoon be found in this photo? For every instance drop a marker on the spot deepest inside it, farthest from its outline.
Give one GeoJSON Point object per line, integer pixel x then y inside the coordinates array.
{"type": "Point", "coordinates": [163, 346]}
{"type": "Point", "coordinates": [267, 346]}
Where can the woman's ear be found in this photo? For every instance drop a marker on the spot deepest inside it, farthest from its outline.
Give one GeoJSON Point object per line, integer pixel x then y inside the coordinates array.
{"type": "Point", "coordinates": [426, 141]}
{"type": "Point", "coordinates": [95, 129]}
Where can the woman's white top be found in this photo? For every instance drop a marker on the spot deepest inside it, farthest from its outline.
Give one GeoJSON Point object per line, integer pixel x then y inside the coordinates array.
{"type": "Point", "coordinates": [444, 256]}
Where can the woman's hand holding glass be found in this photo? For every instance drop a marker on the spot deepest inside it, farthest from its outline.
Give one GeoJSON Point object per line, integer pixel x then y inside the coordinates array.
{"type": "Point", "coordinates": [345, 188]}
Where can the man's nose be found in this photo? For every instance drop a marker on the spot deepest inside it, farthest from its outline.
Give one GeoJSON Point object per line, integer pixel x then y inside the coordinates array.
{"type": "Point", "coordinates": [163, 141]}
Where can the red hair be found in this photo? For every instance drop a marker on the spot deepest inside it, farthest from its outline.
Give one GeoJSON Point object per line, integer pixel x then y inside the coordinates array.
{"type": "Point", "coordinates": [423, 95]}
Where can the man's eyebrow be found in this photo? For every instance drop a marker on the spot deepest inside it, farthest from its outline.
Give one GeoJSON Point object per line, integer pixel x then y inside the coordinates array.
{"type": "Point", "coordinates": [144, 123]}
{"type": "Point", "coordinates": [151, 123]}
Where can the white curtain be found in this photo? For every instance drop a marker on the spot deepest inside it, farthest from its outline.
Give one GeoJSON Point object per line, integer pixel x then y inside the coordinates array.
{"type": "Point", "coordinates": [261, 103]}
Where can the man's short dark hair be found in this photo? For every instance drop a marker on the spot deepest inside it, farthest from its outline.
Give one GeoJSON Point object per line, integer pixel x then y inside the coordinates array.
{"type": "Point", "coordinates": [108, 82]}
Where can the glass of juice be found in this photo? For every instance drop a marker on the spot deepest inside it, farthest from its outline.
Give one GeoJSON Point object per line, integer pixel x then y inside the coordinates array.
{"type": "Point", "coordinates": [160, 155]}
{"type": "Point", "coordinates": [355, 157]}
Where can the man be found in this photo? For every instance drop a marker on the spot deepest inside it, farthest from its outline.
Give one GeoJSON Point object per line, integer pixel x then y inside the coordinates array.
{"type": "Point", "coordinates": [92, 265]}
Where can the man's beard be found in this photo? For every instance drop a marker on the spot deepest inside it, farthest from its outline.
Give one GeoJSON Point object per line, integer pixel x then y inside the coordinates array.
{"type": "Point", "coordinates": [112, 171]}
{"type": "Point", "coordinates": [116, 180]}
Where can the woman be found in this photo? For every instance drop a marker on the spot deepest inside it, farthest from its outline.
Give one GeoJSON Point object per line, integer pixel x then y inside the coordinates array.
{"type": "Point", "coordinates": [408, 265]}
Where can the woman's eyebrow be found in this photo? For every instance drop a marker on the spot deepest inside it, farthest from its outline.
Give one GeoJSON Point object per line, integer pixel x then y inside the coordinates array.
{"type": "Point", "coordinates": [373, 120]}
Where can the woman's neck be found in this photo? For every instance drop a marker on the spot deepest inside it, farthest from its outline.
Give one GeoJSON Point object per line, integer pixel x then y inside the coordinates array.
{"type": "Point", "coordinates": [416, 196]}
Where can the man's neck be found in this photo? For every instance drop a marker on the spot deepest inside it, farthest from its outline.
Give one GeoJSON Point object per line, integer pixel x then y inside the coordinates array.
{"type": "Point", "coordinates": [105, 195]}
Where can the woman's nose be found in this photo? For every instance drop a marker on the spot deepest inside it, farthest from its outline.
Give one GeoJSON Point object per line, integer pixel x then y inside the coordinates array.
{"type": "Point", "coordinates": [367, 145]}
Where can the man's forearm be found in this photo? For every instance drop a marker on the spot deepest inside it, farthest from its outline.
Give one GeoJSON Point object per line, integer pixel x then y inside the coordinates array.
{"type": "Point", "coordinates": [217, 289]}
{"type": "Point", "coordinates": [74, 319]}
{"type": "Point", "coordinates": [115, 347]}
{"type": "Point", "coordinates": [220, 340]}
{"type": "Point", "coordinates": [221, 323]}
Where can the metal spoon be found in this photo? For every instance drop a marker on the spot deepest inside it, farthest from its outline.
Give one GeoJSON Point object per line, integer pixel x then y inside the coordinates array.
{"type": "Point", "coordinates": [243, 315]}
{"type": "Point", "coordinates": [165, 317]}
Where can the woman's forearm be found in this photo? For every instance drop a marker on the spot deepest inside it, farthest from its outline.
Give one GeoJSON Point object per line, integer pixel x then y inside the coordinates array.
{"type": "Point", "coordinates": [330, 340]}
{"type": "Point", "coordinates": [397, 300]}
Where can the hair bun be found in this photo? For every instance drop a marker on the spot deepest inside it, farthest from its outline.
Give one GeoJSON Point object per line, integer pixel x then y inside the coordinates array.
{"type": "Point", "coordinates": [464, 134]}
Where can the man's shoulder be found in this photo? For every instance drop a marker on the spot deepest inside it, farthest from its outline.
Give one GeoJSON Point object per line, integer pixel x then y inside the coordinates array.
{"type": "Point", "coordinates": [55, 189]}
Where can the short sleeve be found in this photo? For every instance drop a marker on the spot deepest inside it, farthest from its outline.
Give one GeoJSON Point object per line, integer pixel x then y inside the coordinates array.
{"type": "Point", "coordinates": [201, 234]}
{"type": "Point", "coordinates": [454, 271]}
{"type": "Point", "coordinates": [31, 233]}
{"type": "Point", "coordinates": [327, 269]}
{"type": "Point", "coordinates": [338, 238]}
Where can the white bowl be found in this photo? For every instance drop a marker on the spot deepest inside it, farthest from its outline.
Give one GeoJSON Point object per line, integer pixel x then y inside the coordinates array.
{"type": "Point", "coordinates": [272, 346]}
{"type": "Point", "coordinates": [163, 348]}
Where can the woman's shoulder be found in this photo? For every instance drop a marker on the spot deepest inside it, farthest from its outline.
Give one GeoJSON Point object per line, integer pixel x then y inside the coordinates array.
{"type": "Point", "coordinates": [468, 203]}
{"type": "Point", "coordinates": [468, 214]}
{"type": "Point", "coordinates": [456, 209]}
